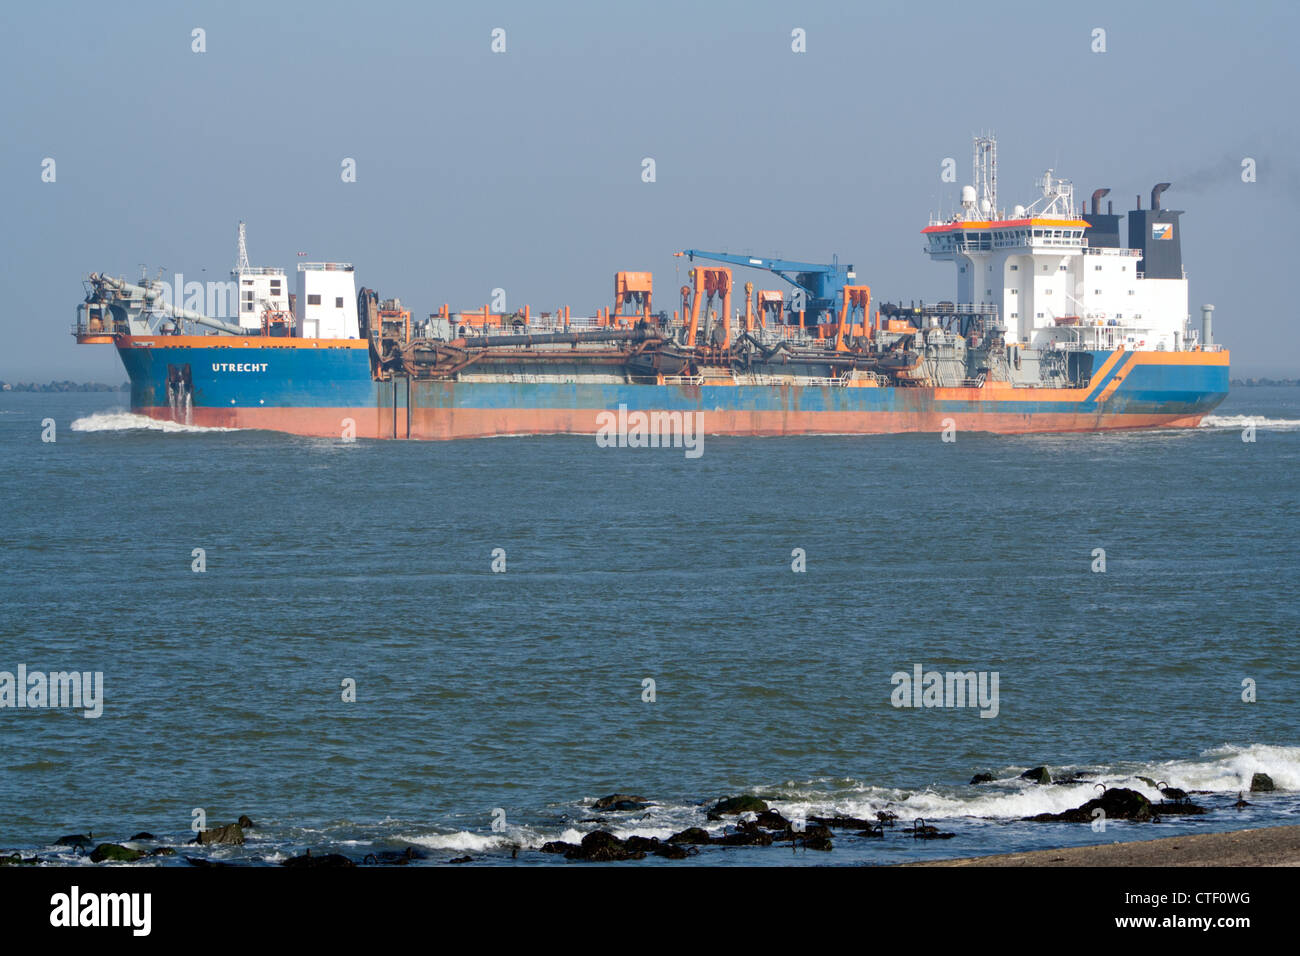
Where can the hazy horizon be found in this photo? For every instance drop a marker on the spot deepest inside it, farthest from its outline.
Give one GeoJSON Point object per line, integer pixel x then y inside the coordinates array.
{"type": "Point", "coordinates": [522, 170]}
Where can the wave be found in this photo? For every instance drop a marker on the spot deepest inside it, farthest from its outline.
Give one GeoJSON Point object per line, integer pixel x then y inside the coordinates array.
{"type": "Point", "coordinates": [1241, 421]}
{"type": "Point", "coordinates": [465, 840]}
{"type": "Point", "coordinates": [1224, 770]}
{"type": "Point", "coordinates": [128, 421]}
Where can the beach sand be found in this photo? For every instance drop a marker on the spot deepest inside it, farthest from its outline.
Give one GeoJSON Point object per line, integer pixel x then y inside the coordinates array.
{"type": "Point", "coordinates": [1270, 846]}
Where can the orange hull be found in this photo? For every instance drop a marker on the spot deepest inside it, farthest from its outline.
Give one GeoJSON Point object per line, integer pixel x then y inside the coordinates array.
{"type": "Point", "coordinates": [439, 424]}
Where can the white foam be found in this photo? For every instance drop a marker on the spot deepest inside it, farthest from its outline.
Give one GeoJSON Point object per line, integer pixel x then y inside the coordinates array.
{"type": "Point", "coordinates": [1241, 421]}
{"type": "Point", "coordinates": [1223, 770]}
{"type": "Point", "coordinates": [461, 840]}
{"type": "Point", "coordinates": [128, 421]}
{"type": "Point", "coordinates": [1230, 768]}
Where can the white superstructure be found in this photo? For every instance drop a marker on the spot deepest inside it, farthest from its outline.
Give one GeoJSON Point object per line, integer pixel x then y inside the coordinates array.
{"type": "Point", "coordinates": [1057, 277]}
{"type": "Point", "coordinates": [259, 289]}
{"type": "Point", "coordinates": [327, 301]}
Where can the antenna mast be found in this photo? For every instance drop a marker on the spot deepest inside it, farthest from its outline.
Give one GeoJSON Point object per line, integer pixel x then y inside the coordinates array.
{"type": "Point", "coordinates": [242, 264]}
{"type": "Point", "coordinates": [986, 174]}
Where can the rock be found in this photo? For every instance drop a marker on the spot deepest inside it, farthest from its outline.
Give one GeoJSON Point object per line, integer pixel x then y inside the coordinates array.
{"type": "Point", "coordinates": [1177, 809]}
{"type": "Point", "coordinates": [621, 802]}
{"type": "Point", "coordinates": [200, 862]}
{"type": "Point", "coordinates": [811, 831]}
{"type": "Point", "coordinates": [1074, 776]}
{"type": "Point", "coordinates": [1118, 804]}
{"type": "Point", "coordinates": [230, 833]}
{"type": "Point", "coordinates": [601, 846]}
{"type": "Point", "coordinates": [245, 822]}
{"type": "Point", "coordinates": [76, 839]}
{"type": "Point", "coordinates": [114, 853]}
{"type": "Point", "coordinates": [162, 851]}
{"type": "Point", "coordinates": [691, 836]}
{"type": "Point", "coordinates": [841, 823]}
{"type": "Point", "coordinates": [328, 860]}
{"type": "Point", "coordinates": [16, 859]}
{"type": "Point", "coordinates": [887, 818]}
{"type": "Point", "coordinates": [1261, 783]}
{"type": "Point", "coordinates": [1147, 780]}
{"type": "Point", "coordinates": [461, 859]}
{"type": "Point", "coordinates": [817, 842]}
{"type": "Point", "coordinates": [144, 835]}
{"type": "Point", "coordinates": [771, 820]}
{"type": "Point", "coordinates": [750, 837]}
{"type": "Point", "coordinates": [920, 830]}
{"type": "Point", "coordinates": [558, 846]}
{"type": "Point", "coordinates": [731, 806]}
{"type": "Point", "coordinates": [669, 851]}
{"type": "Point", "coordinates": [1037, 775]}
{"type": "Point", "coordinates": [982, 778]}
{"type": "Point", "coordinates": [392, 857]}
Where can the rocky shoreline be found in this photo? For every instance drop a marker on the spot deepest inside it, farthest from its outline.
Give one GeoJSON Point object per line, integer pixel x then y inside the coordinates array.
{"type": "Point", "coordinates": [747, 820]}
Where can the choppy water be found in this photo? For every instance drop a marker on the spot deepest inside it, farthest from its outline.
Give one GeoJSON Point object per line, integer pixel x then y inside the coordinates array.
{"type": "Point", "coordinates": [523, 690]}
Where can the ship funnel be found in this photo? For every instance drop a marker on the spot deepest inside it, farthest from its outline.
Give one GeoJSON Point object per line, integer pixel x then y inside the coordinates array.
{"type": "Point", "coordinates": [1207, 325]}
{"type": "Point", "coordinates": [1097, 195]}
{"type": "Point", "coordinates": [1156, 190]}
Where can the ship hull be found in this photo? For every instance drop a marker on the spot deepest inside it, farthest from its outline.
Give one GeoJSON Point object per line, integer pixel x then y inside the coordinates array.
{"type": "Point", "coordinates": [325, 388]}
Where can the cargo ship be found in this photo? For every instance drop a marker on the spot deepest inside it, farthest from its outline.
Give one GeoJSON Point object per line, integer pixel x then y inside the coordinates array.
{"type": "Point", "coordinates": [1057, 325]}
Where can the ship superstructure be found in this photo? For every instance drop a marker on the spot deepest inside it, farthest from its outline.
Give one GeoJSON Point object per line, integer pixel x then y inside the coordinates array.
{"type": "Point", "coordinates": [1056, 326]}
{"type": "Point", "coordinates": [1058, 276]}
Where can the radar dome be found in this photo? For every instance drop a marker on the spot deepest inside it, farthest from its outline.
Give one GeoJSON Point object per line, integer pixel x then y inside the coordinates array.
{"type": "Point", "coordinates": [1018, 212]}
{"type": "Point", "coordinates": [968, 195]}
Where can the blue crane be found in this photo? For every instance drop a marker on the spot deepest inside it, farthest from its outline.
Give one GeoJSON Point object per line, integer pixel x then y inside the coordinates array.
{"type": "Point", "coordinates": [821, 283]}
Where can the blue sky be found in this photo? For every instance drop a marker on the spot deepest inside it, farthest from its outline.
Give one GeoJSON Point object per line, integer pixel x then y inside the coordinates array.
{"type": "Point", "coordinates": [522, 170]}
